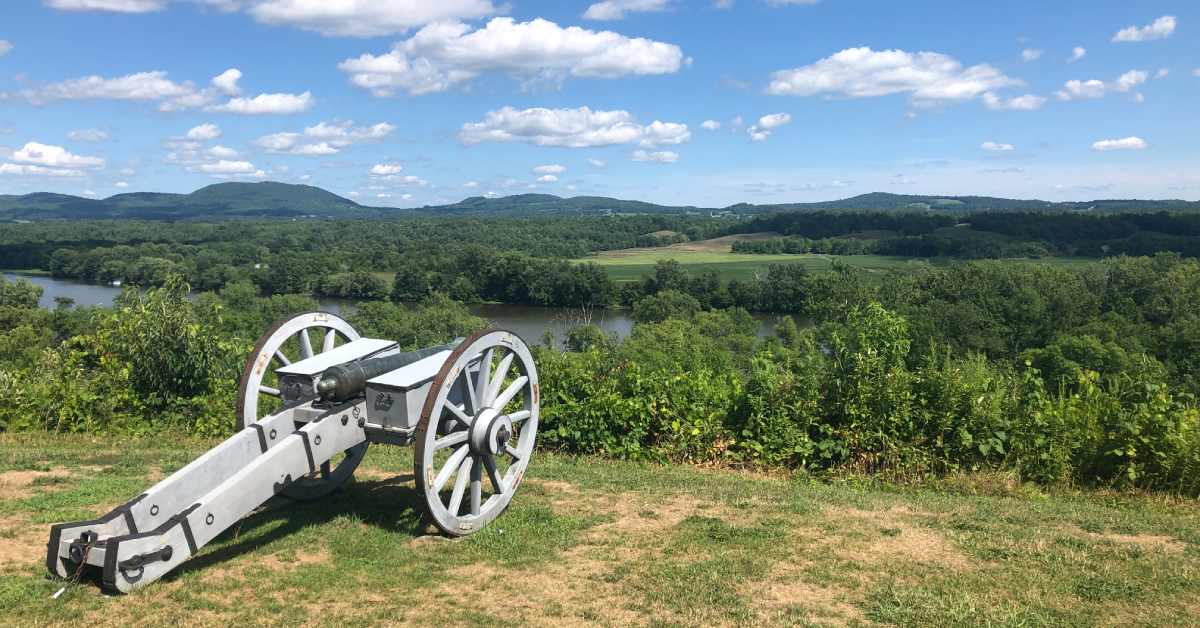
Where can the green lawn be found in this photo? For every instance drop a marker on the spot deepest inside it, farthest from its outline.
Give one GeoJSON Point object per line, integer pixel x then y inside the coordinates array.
{"type": "Point", "coordinates": [591, 541]}
{"type": "Point", "coordinates": [633, 264]}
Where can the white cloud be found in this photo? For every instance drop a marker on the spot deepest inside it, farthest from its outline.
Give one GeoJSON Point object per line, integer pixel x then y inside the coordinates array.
{"type": "Point", "coordinates": [443, 55]}
{"type": "Point", "coordinates": [471, 185]}
{"type": "Point", "coordinates": [993, 146]}
{"type": "Point", "coordinates": [711, 125]}
{"type": "Point", "coordinates": [1030, 54]}
{"type": "Point", "coordinates": [547, 178]}
{"type": "Point", "coordinates": [1196, 72]}
{"type": "Point", "coordinates": [662, 157]}
{"type": "Point", "coordinates": [140, 86]}
{"type": "Point", "coordinates": [1095, 88]}
{"type": "Point", "coordinates": [766, 124]}
{"type": "Point", "coordinates": [1128, 143]}
{"type": "Point", "coordinates": [204, 132]}
{"type": "Point", "coordinates": [53, 157]}
{"type": "Point", "coordinates": [37, 171]}
{"type": "Point", "coordinates": [616, 9]}
{"type": "Point", "coordinates": [88, 135]}
{"type": "Point", "coordinates": [406, 197]}
{"type": "Point", "coordinates": [121, 184]}
{"type": "Point", "coordinates": [386, 170]}
{"type": "Point", "coordinates": [928, 77]}
{"type": "Point", "coordinates": [383, 195]}
{"type": "Point", "coordinates": [1077, 53]}
{"type": "Point", "coordinates": [5, 47]}
{"type": "Point", "coordinates": [226, 166]}
{"type": "Point", "coordinates": [550, 169]}
{"type": "Point", "coordinates": [1028, 102]}
{"type": "Point", "coordinates": [267, 104]}
{"type": "Point", "coordinates": [330, 138]}
{"type": "Point", "coordinates": [227, 82]}
{"type": "Point", "coordinates": [1159, 29]}
{"type": "Point", "coordinates": [597, 163]}
{"type": "Point", "coordinates": [1162, 73]}
{"type": "Point", "coordinates": [366, 18]}
{"type": "Point", "coordinates": [115, 6]}
{"type": "Point", "coordinates": [571, 128]}
{"type": "Point", "coordinates": [1139, 98]}
{"type": "Point", "coordinates": [222, 152]}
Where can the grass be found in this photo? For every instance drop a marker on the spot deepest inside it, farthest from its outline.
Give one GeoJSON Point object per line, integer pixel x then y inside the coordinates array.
{"type": "Point", "coordinates": [593, 541]}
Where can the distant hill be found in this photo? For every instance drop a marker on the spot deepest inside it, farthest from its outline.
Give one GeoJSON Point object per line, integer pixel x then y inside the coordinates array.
{"type": "Point", "coordinates": [221, 200]}
{"type": "Point", "coordinates": [282, 200]}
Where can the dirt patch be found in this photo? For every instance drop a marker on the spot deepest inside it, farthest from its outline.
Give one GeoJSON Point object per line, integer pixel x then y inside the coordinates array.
{"type": "Point", "coordinates": [19, 484]}
{"type": "Point", "coordinates": [1149, 542]}
{"type": "Point", "coordinates": [723, 244]}
{"type": "Point", "coordinates": [895, 535]}
{"type": "Point", "coordinates": [786, 588]}
{"type": "Point", "coordinates": [21, 542]}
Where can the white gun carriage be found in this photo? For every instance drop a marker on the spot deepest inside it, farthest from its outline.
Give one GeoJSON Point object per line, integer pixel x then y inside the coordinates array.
{"type": "Point", "coordinates": [313, 396]}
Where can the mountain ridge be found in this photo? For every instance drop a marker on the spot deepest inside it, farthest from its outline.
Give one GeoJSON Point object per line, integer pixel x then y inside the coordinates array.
{"type": "Point", "coordinates": [268, 199]}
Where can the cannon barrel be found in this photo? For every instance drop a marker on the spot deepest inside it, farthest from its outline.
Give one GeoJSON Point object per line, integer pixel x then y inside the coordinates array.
{"type": "Point", "coordinates": [347, 381]}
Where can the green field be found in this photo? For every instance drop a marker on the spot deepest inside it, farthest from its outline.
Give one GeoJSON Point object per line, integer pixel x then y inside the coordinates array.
{"type": "Point", "coordinates": [596, 542]}
{"type": "Point", "coordinates": [633, 264]}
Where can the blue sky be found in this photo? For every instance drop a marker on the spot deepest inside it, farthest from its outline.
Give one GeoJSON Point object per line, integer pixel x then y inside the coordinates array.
{"type": "Point", "coordinates": [406, 102]}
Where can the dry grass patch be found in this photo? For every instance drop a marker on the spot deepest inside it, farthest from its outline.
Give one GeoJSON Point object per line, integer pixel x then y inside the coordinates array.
{"type": "Point", "coordinates": [895, 535]}
{"type": "Point", "coordinates": [21, 542]}
{"type": "Point", "coordinates": [1148, 542]}
{"type": "Point", "coordinates": [17, 484]}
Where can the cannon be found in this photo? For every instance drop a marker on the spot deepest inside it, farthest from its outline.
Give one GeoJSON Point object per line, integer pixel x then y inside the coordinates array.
{"type": "Point", "coordinates": [312, 397]}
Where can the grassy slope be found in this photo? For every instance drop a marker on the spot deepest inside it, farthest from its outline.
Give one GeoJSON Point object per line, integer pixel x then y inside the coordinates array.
{"type": "Point", "coordinates": [632, 264]}
{"type": "Point", "coordinates": [597, 541]}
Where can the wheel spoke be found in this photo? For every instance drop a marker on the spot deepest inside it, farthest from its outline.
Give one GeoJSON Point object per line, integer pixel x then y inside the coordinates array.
{"type": "Point", "coordinates": [476, 488]}
{"type": "Point", "coordinates": [494, 475]}
{"type": "Point", "coordinates": [452, 463]}
{"type": "Point", "coordinates": [451, 440]}
{"type": "Point", "coordinates": [267, 390]}
{"type": "Point", "coordinates": [498, 381]}
{"type": "Point", "coordinates": [510, 392]}
{"type": "Point", "coordinates": [519, 416]}
{"type": "Point", "coordinates": [512, 452]}
{"type": "Point", "coordinates": [459, 414]}
{"type": "Point", "coordinates": [330, 338]}
{"type": "Point", "coordinates": [306, 349]}
{"type": "Point", "coordinates": [460, 485]}
{"type": "Point", "coordinates": [485, 367]}
{"type": "Point", "coordinates": [281, 357]}
{"type": "Point", "coordinates": [325, 470]}
{"type": "Point", "coordinates": [466, 374]}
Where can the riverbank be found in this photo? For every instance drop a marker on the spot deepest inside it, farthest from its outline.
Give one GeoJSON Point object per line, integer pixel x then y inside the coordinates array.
{"type": "Point", "coordinates": [603, 542]}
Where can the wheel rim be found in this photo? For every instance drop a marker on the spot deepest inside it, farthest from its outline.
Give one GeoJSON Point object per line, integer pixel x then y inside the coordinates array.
{"type": "Point", "coordinates": [477, 431]}
{"type": "Point", "coordinates": [299, 337]}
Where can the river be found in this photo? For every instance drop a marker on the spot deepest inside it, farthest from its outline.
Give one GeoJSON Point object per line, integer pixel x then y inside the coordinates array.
{"type": "Point", "coordinates": [530, 322]}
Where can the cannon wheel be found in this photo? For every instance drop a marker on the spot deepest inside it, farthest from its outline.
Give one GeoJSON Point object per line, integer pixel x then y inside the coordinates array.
{"type": "Point", "coordinates": [296, 334]}
{"type": "Point", "coordinates": [480, 419]}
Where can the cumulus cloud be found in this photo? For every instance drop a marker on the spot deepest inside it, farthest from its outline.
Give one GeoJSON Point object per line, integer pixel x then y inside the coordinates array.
{"type": "Point", "coordinates": [928, 77]}
{"type": "Point", "coordinates": [1127, 143]}
{"type": "Point", "coordinates": [386, 170]}
{"type": "Point", "coordinates": [267, 104]}
{"type": "Point", "coordinates": [139, 86]}
{"type": "Point", "coordinates": [366, 18]}
{"type": "Point", "coordinates": [710, 125]}
{"type": "Point", "coordinates": [547, 178]}
{"type": "Point", "coordinates": [1095, 88]}
{"type": "Point", "coordinates": [227, 82]}
{"type": "Point", "coordinates": [114, 6]}
{"type": "Point", "coordinates": [38, 171]}
{"type": "Point", "coordinates": [88, 135]}
{"type": "Point", "coordinates": [121, 184]}
{"type": "Point", "coordinates": [226, 166]}
{"type": "Point", "coordinates": [323, 138]}
{"type": "Point", "coordinates": [597, 163]}
{"type": "Point", "coordinates": [1159, 29]}
{"type": "Point", "coordinates": [443, 55]}
{"type": "Point", "coordinates": [1162, 73]}
{"type": "Point", "coordinates": [53, 157]}
{"type": "Point", "coordinates": [1196, 72]}
{"type": "Point", "coordinates": [571, 128]}
{"type": "Point", "coordinates": [662, 157]}
{"type": "Point", "coordinates": [5, 47]}
{"type": "Point", "coordinates": [1028, 102]}
{"type": "Point", "coordinates": [1077, 53]}
{"type": "Point", "coordinates": [616, 9]}
{"type": "Point", "coordinates": [550, 169]}
{"type": "Point", "coordinates": [470, 185]}
{"type": "Point", "coordinates": [993, 146]}
{"type": "Point", "coordinates": [1030, 54]}
{"type": "Point", "coordinates": [222, 152]}
{"type": "Point", "coordinates": [766, 124]}
{"type": "Point", "coordinates": [204, 132]}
